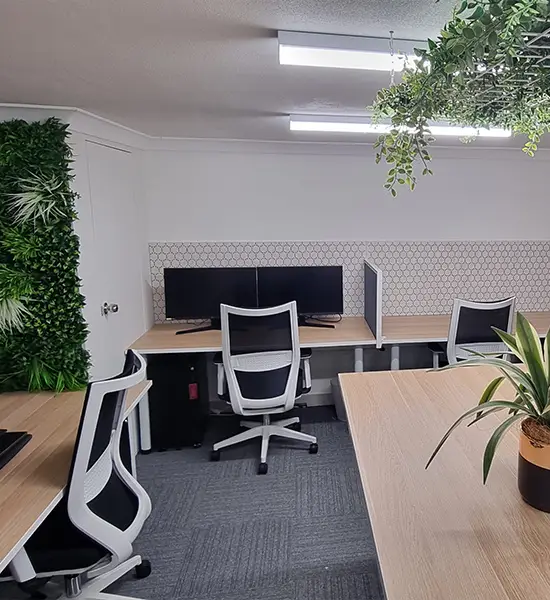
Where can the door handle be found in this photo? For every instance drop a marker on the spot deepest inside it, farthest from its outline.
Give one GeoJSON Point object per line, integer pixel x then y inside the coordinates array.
{"type": "Point", "coordinates": [107, 308]}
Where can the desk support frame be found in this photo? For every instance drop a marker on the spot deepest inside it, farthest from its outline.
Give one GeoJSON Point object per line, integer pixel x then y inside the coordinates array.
{"type": "Point", "coordinates": [21, 567]}
{"type": "Point", "coordinates": [395, 360]}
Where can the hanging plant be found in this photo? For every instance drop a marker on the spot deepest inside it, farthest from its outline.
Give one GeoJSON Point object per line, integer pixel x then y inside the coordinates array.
{"type": "Point", "coordinates": [489, 68]}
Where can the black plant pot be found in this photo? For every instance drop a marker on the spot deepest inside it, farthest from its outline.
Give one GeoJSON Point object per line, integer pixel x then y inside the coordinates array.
{"type": "Point", "coordinates": [534, 465]}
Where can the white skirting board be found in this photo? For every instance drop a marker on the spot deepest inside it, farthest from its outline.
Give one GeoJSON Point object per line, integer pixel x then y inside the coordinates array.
{"type": "Point", "coordinates": [320, 395]}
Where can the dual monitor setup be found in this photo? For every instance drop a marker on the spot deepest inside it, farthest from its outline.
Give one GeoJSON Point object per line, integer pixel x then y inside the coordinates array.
{"type": "Point", "coordinates": [197, 293]}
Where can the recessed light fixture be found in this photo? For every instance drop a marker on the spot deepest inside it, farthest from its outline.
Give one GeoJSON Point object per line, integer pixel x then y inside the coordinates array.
{"type": "Point", "coordinates": [336, 124]}
{"type": "Point", "coordinates": [345, 51]}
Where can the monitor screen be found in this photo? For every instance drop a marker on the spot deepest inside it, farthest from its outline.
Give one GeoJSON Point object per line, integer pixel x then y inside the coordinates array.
{"type": "Point", "coordinates": [317, 290]}
{"type": "Point", "coordinates": [198, 293]}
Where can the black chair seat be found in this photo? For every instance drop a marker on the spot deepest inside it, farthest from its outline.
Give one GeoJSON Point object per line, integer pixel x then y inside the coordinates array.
{"type": "Point", "coordinates": [58, 545]}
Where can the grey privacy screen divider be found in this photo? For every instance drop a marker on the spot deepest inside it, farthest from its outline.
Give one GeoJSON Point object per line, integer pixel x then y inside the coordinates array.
{"type": "Point", "coordinates": [373, 300]}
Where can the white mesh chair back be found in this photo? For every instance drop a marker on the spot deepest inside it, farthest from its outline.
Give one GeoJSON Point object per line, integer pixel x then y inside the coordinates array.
{"type": "Point", "coordinates": [261, 357]}
{"type": "Point", "coordinates": [471, 327]}
{"type": "Point", "coordinates": [104, 500]}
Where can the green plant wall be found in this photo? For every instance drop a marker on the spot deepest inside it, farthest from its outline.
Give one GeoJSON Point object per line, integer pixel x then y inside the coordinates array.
{"type": "Point", "coordinates": [42, 330]}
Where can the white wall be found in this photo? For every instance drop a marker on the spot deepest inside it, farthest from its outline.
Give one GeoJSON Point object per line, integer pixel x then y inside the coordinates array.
{"type": "Point", "coordinates": [235, 191]}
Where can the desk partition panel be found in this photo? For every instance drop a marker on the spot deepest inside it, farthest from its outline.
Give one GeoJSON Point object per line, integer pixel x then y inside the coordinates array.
{"type": "Point", "coordinates": [373, 300]}
{"type": "Point", "coordinates": [420, 278]}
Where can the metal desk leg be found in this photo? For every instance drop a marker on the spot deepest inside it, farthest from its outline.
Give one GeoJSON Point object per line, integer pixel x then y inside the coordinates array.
{"type": "Point", "coordinates": [144, 424]}
{"type": "Point", "coordinates": [359, 359]}
{"type": "Point", "coordinates": [394, 365]}
{"type": "Point", "coordinates": [132, 434]}
{"type": "Point", "coordinates": [21, 567]}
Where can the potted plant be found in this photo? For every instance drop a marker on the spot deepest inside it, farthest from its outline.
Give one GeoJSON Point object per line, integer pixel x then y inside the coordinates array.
{"type": "Point", "coordinates": [530, 407]}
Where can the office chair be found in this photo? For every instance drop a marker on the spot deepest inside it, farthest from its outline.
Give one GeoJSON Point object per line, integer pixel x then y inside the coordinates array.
{"type": "Point", "coordinates": [260, 374]}
{"type": "Point", "coordinates": [471, 328]}
{"type": "Point", "coordinates": [88, 536]}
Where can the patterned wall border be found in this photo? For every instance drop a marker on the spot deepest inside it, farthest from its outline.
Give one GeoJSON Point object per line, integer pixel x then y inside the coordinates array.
{"type": "Point", "coordinates": [419, 277]}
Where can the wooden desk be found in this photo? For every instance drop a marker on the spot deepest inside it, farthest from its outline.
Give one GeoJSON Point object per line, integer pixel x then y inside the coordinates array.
{"type": "Point", "coordinates": [161, 339]}
{"type": "Point", "coordinates": [32, 483]}
{"type": "Point", "coordinates": [419, 329]}
{"type": "Point", "coordinates": [416, 329]}
{"type": "Point", "coordinates": [440, 533]}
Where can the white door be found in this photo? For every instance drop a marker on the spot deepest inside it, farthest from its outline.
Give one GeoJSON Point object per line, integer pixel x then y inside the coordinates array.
{"type": "Point", "coordinates": [117, 264]}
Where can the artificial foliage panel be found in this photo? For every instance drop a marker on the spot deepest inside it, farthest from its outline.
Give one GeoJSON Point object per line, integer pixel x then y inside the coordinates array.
{"type": "Point", "coordinates": [489, 68]}
{"type": "Point", "coordinates": [42, 330]}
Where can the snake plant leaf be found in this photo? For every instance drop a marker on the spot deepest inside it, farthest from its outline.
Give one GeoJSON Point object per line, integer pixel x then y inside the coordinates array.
{"type": "Point", "coordinates": [494, 441]}
{"type": "Point", "coordinates": [487, 406]}
{"type": "Point", "coordinates": [489, 392]}
{"type": "Point", "coordinates": [547, 357]}
{"type": "Point", "coordinates": [531, 348]}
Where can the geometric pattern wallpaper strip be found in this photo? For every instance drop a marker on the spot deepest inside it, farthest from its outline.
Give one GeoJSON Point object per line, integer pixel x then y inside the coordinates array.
{"type": "Point", "coordinates": [419, 277]}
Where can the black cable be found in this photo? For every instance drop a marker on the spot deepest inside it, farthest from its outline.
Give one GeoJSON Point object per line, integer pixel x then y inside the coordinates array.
{"type": "Point", "coordinates": [324, 319]}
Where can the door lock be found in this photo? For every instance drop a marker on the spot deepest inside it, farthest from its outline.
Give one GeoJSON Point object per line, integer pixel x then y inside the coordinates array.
{"type": "Point", "coordinates": [107, 308]}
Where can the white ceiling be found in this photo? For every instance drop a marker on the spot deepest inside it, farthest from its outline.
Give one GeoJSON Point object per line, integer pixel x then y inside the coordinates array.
{"type": "Point", "coordinates": [194, 68]}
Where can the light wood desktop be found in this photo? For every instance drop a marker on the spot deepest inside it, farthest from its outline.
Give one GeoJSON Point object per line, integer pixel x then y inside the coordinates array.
{"type": "Point", "coordinates": [440, 533]}
{"type": "Point", "coordinates": [32, 483]}
{"type": "Point", "coordinates": [414, 329]}
{"type": "Point", "coordinates": [162, 339]}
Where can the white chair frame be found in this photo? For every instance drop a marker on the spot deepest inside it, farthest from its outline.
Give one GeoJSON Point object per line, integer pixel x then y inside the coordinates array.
{"type": "Point", "coordinates": [259, 362]}
{"type": "Point", "coordinates": [85, 485]}
{"type": "Point", "coordinates": [460, 351]}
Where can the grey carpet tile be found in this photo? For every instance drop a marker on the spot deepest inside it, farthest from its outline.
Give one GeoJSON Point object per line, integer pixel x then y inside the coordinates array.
{"type": "Point", "coordinates": [247, 555]}
{"type": "Point", "coordinates": [172, 503]}
{"type": "Point", "coordinates": [334, 542]}
{"type": "Point", "coordinates": [286, 591]}
{"type": "Point", "coordinates": [231, 500]}
{"type": "Point", "coordinates": [327, 491]}
{"type": "Point", "coordinates": [360, 582]}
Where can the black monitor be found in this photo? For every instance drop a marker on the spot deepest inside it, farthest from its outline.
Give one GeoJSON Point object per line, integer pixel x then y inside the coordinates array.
{"type": "Point", "coordinates": [198, 293]}
{"type": "Point", "coordinates": [317, 290]}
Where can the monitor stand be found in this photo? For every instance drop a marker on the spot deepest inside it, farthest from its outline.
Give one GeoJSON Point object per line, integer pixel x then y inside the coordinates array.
{"type": "Point", "coordinates": [304, 322]}
{"type": "Point", "coordinates": [215, 325]}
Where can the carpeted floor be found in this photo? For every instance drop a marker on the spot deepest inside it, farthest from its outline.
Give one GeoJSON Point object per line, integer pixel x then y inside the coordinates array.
{"type": "Point", "coordinates": [219, 531]}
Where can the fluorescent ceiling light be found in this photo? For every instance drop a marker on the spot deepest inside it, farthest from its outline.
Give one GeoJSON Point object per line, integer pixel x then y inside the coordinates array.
{"type": "Point", "coordinates": [345, 52]}
{"type": "Point", "coordinates": [457, 131]}
{"type": "Point", "coordinates": [338, 126]}
{"type": "Point", "coordinates": [364, 125]}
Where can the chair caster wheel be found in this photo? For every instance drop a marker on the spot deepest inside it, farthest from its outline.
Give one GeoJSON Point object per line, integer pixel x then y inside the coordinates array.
{"type": "Point", "coordinates": [296, 426]}
{"type": "Point", "coordinates": [143, 570]}
{"type": "Point", "coordinates": [313, 448]}
{"type": "Point", "coordinates": [214, 455]}
{"type": "Point", "coordinates": [262, 468]}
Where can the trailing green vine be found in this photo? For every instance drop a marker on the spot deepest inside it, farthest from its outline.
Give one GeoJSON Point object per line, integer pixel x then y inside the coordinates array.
{"type": "Point", "coordinates": [485, 70]}
{"type": "Point", "coordinates": [42, 330]}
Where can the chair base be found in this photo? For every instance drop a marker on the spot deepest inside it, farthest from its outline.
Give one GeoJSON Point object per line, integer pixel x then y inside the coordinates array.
{"type": "Point", "coordinates": [265, 430]}
{"type": "Point", "coordinates": [77, 586]}
{"type": "Point", "coordinates": [93, 588]}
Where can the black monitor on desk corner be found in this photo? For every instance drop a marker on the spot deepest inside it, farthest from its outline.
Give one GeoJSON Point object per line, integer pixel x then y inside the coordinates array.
{"type": "Point", "coordinates": [197, 293]}
{"type": "Point", "coordinates": [318, 291]}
